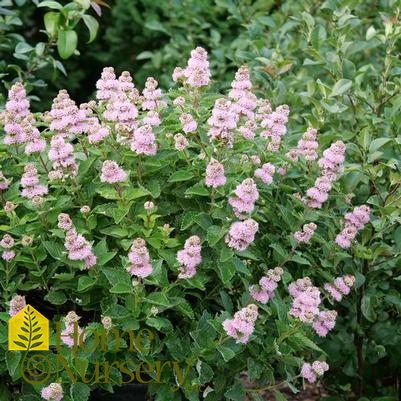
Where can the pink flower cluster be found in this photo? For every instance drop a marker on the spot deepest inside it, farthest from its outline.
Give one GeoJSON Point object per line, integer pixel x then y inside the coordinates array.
{"type": "Point", "coordinates": [265, 173]}
{"type": "Point", "coordinates": [107, 85]}
{"type": "Point", "coordinates": [274, 125]}
{"type": "Point", "coordinates": [30, 182]}
{"type": "Point", "coordinates": [152, 95]}
{"type": "Point", "coordinates": [140, 259]}
{"type": "Point", "coordinates": [188, 123]}
{"type": "Point", "coordinates": [215, 174]}
{"type": "Point", "coordinates": [7, 242]}
{"type": "Point", "coordinates": [324, 322]}
{"type": "Point", "coordinates": [306, 300]}
{"type": "Point", "coordinates": [112, 173]}
{"type": "Point", "coordinates": [341, 286]}
{"type": "Point", "coordinates": [248, 129]}
{"type": "Point", "coordinates": [306, 234]}
{"type": "Point", "coordinates": [17, 303]}
{"type": "Point", "coordinates": [222, 121]}
{"type": "Point", "coordinates": [53, 392]}
{"type": "Point", "coordinates": [332, 160]}
{"type": "Point", "coordinates": [77, 246]}
{"type": "Point", "coordinates": [246, 194]}
{"type": "Point", "coordinates": [16, 111]}
{"type": "Point", "coordinates": [62, 156]}
{"type": "Point", "coordinates": [197, 72]}
{"type": "Point", "coordinates": [181, 142]}
{"type": "Point", "coordinates": [312, 372]}
{"type": "Point", "coordinates": [65, 118]}
{"type": "Point", "coordinates": [189, 257]}
{"type": "Point", "coordinates": [307, 145]}
{"type": "Point", "coordinates": [4, 182]}
{"type": "Point", "coordinates": [96, 132]}
{"type": "Point", "coordinates": [72, 329]}
{"type": "Point", "coordinates": [267, 285]}
{"type": "Point", "coordinates": [144, 141]}
{"type": "Point", "coordinates": [353, 222]}
{"type": "Point", "coordinates": [121, 111]}
{"type": "Point", "coordinates": [243, 324]}
{"type": "Point", "coordinates": [241, 234]}
{"type": "Point", "coordinates": [245, 101]}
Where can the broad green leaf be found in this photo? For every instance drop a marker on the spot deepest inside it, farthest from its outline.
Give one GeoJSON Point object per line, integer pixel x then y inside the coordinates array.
{"type": "Point", "coordinates": [340, 87]}
{"type": "Point", "coordinates": [122, 288]}
{"type": "Point", "coordinates": [66, 43]}
{"type": "Point", "coordinates": [226, 352]}
{"type": "Point", "coordinates": [51, 20]}
{"type": "Point", "coordinates": [13, 360]}
{"type": "Point", "coordinates": [85, 282]}
{"type": "Point", "coordinates": [135, 193]}
{"type": "Point", "coordinates": [181, 175]}
{"type": "Point", "coordinates": [378, 143]}
{"type": "Point", "coordinates": [50, 4]}
{"type": "Point", "coordinates": [214, 234]}
{"type": "Point", "coordinates": [79, 391]}
{"type": "Point", "coordinates": [197, 189]}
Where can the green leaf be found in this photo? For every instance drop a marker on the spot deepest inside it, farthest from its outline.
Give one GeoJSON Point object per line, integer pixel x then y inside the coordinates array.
{"type": "Point", "coordinates": [214, 234]}
{"type": "Point", "coordinates": [226, 352]}
{"type": "Point", "coordinates": [85, 282]}
{"type": "Point", "coordinates": [305, 342]}
{"type": "Point", "coordinates": [121, 288]}
{"type": "Point", "coordinates": [92, 25]}
{"type": "Point", "coordinates": [116, 275]}
{"type": "Point", "coordinates": [50, 4]}
{"type": "Point", "coordinates": [226, 271]}
{"type": "Point", "coordinates": [279, 396]}
{"type": "Point", "coordinates": [181, 175]}
{"type": "Point", "coordinates": [226, 254]}
{"type": "Point", "coordinates": [54, 249]}
{"type": "Point", "coordinates": [367, 308]}
{"type": "Point", "coordinates": [79, 392]}
{"type": "Point", "coordinates": [135, 193]}
{"type": "Point", "coordinates": [13, 360]}
{"type": "Point", "coordinates": [378, 143]}
{"type": "Point", "coordinates": [107, 192]}
{"type": "Point", "coordinates": [51, 20]}
{"type": "Point", "coordinates": [56, 297]}
{"type": "Point", "coordinates": [159, 298]}
{"type": "Point", "coordinates": [340, 87]}
{"type": "Point", "coordinates": [155, 26]}
{"type": "Point", "coordinates": [197, 189]}
{"type": "Point", "coordinates": [66, 43]}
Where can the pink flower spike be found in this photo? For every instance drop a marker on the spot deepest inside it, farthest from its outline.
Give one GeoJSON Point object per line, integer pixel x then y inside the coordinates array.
{"type": "Point", "coordinates": [112, 173]}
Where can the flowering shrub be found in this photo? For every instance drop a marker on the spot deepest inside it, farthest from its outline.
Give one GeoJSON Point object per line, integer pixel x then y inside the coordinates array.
{"type": "Point", "coordinates": [183, 213]}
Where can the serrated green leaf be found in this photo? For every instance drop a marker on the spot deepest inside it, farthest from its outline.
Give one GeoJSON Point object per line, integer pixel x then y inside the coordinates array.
{"type": "Point", "coordinates": [181, 175]}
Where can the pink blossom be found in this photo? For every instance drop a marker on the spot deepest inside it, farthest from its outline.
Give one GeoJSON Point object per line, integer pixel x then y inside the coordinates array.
{"type": "Point", "coordinates": [53, 392]}
{"type": "Point", "coordinates": [189, 257]}
{"type": "Point", "coordinates": [267, 285]}
{"type": "Point", "coordinates": [265, 173]}
{"type": "Point", "coordinates": [65, 118]}
{"type": "Point", "coordinates": [16, 111]}
{"type": "Point", "coordinates": [144, 141]}
{"type": "Point", "coordinates": [8, 255]}
{"type": "Point", "coordinates": [107, 86]}
{"type": "Point", "coordinates": [246, 194]}
{"type": "Point", "coordinates": [307, 145]}
{"type": "Point", "coordinates": [152, 118]}
{"type": "Point", "coordinates": [181, 142]}
{"type": "Point", "coordinates": [126, 85]}
{"type": "Point", "coordinates": [151, 95]}
{"type": "Point", "coordinates": [306, 300]}
{"type": "Point", "coordinates": [241, 234]}
{"type": "Point", "coordinates": [64, 222]}
{"type": "Point", "coordinates": [17, 303]}
{"type": "Point", "coordinates": [215, 174]}
{"type": "Point", "coordinates": [312, 372]}
{"type": "Point", "coordinates": [4, 182]}
{"type": "Point", "coordinates": [274, 125]}
{"type": "Point", "coordinates": [242, 325]}
{"type": "Point", "coordinates": [222, 121]}
{"type": "Point", "coordinates": [112, 173]}
{"type": "Point", "coordinates": [188, 123]}
{"type": "Point", "coordinates": [332, 160]}
{"type": "Point", "coordinates": [245, 101]}
{"type": "Point", "coordinates": [248, 129]}
{"type": "Point", "coordinates": [139, 259]}
{"type": "Point", "coordinates": [324, 322]}
{"type": "Point", "coordinates": [62, 156]}
{"type": "Point", "coordinates": [121, 111]}
{"type": "Point", "coordinates": [341, 286]}
{"type": "Point", "coordinates": [30, 183]}
{"type": "Point", "coordinates": [306, 234]}
{"type": "Point", "coordinates": [353, 222]}
{"type": "Point", "coordinates": [197, 72]}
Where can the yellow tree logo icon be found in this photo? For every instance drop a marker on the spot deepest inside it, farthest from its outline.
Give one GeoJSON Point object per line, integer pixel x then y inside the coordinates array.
{"type": "Point", "coordinates": [28, 330]}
